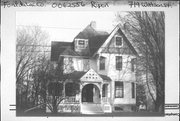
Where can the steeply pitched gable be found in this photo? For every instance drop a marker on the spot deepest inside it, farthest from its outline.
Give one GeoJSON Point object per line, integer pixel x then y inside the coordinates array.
{"type": "Point", "coordinates": [97, 40]}
{"type": "Point", "coordinates": [89, 31]}
{"type": "Point", "coordinates": [109, 47]}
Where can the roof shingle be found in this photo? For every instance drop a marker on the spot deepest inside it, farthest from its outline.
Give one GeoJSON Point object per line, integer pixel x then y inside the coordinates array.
{"type": "Point", "coordinates": [57, 48]}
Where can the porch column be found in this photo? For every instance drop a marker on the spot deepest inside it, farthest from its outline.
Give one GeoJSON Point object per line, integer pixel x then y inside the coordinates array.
{"type": "Point", "coordinates": [80, 93]}
{"type": "Point", "coordinates": [64, 84]}
{"type": "Point", "coordinates": [100, 85]}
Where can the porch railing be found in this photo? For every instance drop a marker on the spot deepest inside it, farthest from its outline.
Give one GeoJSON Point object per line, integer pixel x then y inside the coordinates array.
{"type": "Point", "coordinates": [71, 100]}
{"type": "Point", "coordinates": [66, 100]}
{"type": "Point", "coordinates": [105, 99]}
{"type": "Point", "coordinates": [68, 104]}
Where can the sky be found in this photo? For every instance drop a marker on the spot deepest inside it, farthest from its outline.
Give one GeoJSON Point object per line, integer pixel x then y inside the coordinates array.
{"type": "Point", "coordinates": [65, 25]}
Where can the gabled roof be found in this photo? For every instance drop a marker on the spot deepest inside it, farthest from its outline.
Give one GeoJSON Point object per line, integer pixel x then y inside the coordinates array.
{"type": "Point", "coordinates": [128, 42]}
{"type": "Point", "coordinates": [116, 29]}
{"type": "Point", "coordinates": [77, 75]}
{"type": "Point", "coordinates": [104, 77]}
{"type": "Point", "coordinates": [86, 33]}
{"type": "Point", "coordinates": [69, 52]}
{"type": "Point", "coordinates": [89, 32]}
{"type": "Point", "coordinates": [97, 40]}
{"type": "Point", "coordinates": [57, 48]}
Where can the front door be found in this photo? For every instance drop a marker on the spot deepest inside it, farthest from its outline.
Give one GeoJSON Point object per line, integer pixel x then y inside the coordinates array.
{"type": "Point", "coordinates": [87, 93]}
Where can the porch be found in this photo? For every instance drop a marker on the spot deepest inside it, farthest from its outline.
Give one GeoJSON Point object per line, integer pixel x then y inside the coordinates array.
{"type": "Point", "coordinates": [85, 92]}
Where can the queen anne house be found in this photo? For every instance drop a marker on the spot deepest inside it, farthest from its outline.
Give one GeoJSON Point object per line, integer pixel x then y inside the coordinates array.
{"type": "Point", "coordinates": [101, 72]}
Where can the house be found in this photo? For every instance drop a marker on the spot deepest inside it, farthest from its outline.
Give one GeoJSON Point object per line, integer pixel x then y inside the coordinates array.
{"type": "Point", "coordinates": [101, 71]}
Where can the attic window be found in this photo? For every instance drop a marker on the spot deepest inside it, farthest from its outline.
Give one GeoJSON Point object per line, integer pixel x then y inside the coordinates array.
{"type": "Point", "coordinates": [119, 41]}
{"type": "Point", "coordinates": [81, 42]}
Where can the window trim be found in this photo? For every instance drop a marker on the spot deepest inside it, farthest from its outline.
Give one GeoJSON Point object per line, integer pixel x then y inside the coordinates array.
{"type": "Point", "coordinates": [105, 90]}
{"type": "Point", "coordinates": [120, 82]}
{"type": "Point", "coordinates": [121, 66]}
{"type": "Point", "coordinates": [133, 64]}
{"type": "Point", "coordinates": [72, 93]}
{"type": "Point", "coordinates": [116, 40]}
{"type": "Point", "coordinates": [83, 42]}
{"type": "Point", "coordinates": [133, 87]}
{"type": "Point", "coordinates": [100, 63]}
{"type": "Point", "coordinates": [81, 46]}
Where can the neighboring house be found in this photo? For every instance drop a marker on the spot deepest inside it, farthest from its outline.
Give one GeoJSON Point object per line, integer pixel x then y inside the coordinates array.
{"type": "Point", "coordinates": [100, 69]}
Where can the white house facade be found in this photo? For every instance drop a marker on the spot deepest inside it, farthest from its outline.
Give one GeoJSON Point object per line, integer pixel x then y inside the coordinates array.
{"type": "Point", "coordinates": [101, 72]}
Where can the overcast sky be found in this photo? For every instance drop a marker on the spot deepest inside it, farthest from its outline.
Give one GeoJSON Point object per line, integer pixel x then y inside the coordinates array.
{"type": "Point", "coordinates": [65, 25]}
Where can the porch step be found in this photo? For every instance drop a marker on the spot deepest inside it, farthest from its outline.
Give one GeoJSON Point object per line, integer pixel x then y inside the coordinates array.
{"type": "Point", "coordinates": [91, 109]}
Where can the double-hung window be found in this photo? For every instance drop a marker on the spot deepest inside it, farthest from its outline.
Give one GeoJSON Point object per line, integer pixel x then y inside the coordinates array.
{"type": "Point", "coordinates": [133, 64]}
{"type": "Point", "coordinates": [133, 89]}
{"type": "Point", "coordinates": [118, 62]}
{"type": "Point", "coordinates": [102, 63]}
{"type": "Point", "coordinates": [119, 89]}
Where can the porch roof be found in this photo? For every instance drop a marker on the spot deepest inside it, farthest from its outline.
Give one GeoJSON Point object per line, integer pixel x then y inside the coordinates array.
{"type": "Point", "coordinates": [76, 75]}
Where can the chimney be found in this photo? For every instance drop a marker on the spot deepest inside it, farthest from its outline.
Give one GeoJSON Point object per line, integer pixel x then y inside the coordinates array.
{"type": "Point", "coordinates": [93, 24]}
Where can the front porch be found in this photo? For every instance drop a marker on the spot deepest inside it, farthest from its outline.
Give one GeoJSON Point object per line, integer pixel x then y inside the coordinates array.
{"type": "Point", "coordinates": [84, 92]}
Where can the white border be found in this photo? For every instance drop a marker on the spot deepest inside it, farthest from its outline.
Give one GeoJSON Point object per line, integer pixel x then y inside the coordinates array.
{"type": "Point", "coordinates": [8, 57]}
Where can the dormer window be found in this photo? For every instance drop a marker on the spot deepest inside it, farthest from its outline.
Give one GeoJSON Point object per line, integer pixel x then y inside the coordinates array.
{"type": "Point", "coordinates": [81, 43]}
{"type": "Point", "coordinates": [119, 41]}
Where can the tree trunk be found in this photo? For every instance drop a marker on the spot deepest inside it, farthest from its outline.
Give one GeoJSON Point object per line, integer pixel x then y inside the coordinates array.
{"type": "Point", "coordinates": [159, 104]}
{"type": "Point", "coordinates": [54, 105]}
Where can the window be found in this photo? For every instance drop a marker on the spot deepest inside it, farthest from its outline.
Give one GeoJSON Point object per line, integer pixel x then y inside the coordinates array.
{"type": "Point", "coordinates": [105, 90]}
{"type": "Point", "coordinates": [55, 89]}
{"type": "Point", "coordinates": [133, 64]}
{"type": "Point", "coordinates": [133, 89]}
{"type": "Point", "coordinates": [86, 64]}
{"type": "Point", "coordinates": [71, 89]}
{"type": "Point", "coordinates": [81, 42]}
{"type": "Point", "coordinates": [119, 90]}
{"type": "Point", "coordinates": [102, 63]}
{"type": "Point", "coordinates": [119, 40]}
{"type": "Point", "coordinates": [118, 62]}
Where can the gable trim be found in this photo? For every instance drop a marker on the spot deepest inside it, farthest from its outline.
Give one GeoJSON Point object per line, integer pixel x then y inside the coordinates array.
{"type": "Point", "coordinates": [107, 40]}
{"type": "Point", "coordinates": [116, 29]}
{"type": "Point", "coordinates": [99, 78]}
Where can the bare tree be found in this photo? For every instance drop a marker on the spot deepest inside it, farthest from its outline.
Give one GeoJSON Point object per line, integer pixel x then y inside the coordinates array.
{"type": "Point", "coordinates": [35, 71]}
{"type": "Point", "coordinates": [55, 87]}
{"type": "Point", "coordinates": [29, 51]}
{"type": "Point", "coordinates": [147, 33]}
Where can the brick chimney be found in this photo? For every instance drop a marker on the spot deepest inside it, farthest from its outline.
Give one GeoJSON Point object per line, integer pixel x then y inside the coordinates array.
{"type": "Point", "coordinates": [93, 24]}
